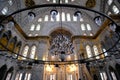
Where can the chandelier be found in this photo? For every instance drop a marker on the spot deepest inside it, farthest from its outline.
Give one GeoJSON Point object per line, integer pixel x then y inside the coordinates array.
{"type": "Point", "coordinates": [61, 45]}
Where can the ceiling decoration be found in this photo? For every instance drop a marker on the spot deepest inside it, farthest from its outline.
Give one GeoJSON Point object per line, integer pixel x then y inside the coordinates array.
{"type": "Point", "coordinates": [29, 3]}
{"type": "Point", "coordinates": [90, 3]}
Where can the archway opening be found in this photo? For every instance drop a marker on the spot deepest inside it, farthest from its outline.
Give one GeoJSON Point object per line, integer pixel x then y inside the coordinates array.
{"type": "Point", "coordinates": [3, 71]}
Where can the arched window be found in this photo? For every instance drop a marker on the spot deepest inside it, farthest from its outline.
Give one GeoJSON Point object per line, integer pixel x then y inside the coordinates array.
{"type": "Point", "coordinates": [46, 18]}
{"type": "Point", "coordinates": [33, 50]}
{"type": "Point", "coordinates": [40, 20]}
{"type": "Point", "coordinates": [58, 17]}
{"type": "Point", "coordinates": [88, 27]}
{"type": "Point", "coordinates": [83, 27]}
{"type": "Point", "coordinates": [113, 76]}
{"type": "Point", "coordinates": [32, 28]}
{"type": "Point", "coordinates": [74, 18]}
{"type": "Point", "coordinates": [25, 51]}
{"type": "Point", "coordinates": [63, 16]}
{"type": "Point", "coordinates": [103, 75]}
{"type": "Point", "coordinates": [61, 1]}
{"type": "Point", "coordinates": [88, 50]}
{"type": "Point", "coordinates": [38, 27]}
{"type": "Point", "coordinates": [10, 2]}
{"type": "Point", "coordinates": [96, 51]}
{"type": "Point", "coordinates": [115, 9]}
{"type": "Point", "coordinates": [54, 1]}
{"type": "Point", "coordinates": [70, 77]}
{"type": "Point", "coordinates": [52, 18]}
{"type": "Point", "coordinates": [4, 10]}
{"type": "Point", "coordinates": [27, 76]}
{"type": "Point", "coordinates": [9, 74]}
{"type": "Point", "coordinates": [3, 71]}
{"type": "Point", "coordinates": [109, 2]}
{"type": "Point", "coordinates": [68, 17]}
{"type": "Point", "coordinates": [66, 1]}
{"type": "Point", "coordinates": [19, 76]}
{"type": "Point", "coordinates": [52, 77]}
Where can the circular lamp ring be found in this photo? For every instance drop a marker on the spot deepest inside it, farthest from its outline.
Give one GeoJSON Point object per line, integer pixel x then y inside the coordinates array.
{"type": "Point", "coordinates": [67, 6]}
{"type": "Point", "coordinates": [57, 5]}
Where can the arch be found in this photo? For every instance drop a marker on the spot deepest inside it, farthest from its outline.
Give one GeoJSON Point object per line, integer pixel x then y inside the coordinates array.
{"type": "Point", "coordinates": [17, 47]}
{"type": "Point", "coordinates": [88, 50]}
{"type": "Point", "coordinates": [25, 51]}
{"type": "Point", "coordinates": [33, 51]}
{"type": "Point", "coordinates": [3, 71]}
{"type": "Point", "coordinates": [96, 51]}
{"type": "Point", "coordinates": [60, 31]}
{"type": "Point", "coordinates": [9, 74]}
{"type": "Point", "coordinates": [5, 39]}
{"type": "Point", "coordinates": [12, 43]}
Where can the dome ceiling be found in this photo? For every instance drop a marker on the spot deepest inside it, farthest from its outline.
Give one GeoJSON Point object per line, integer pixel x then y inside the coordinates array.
{"type": "Point", "coordinates": [42, 21]}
